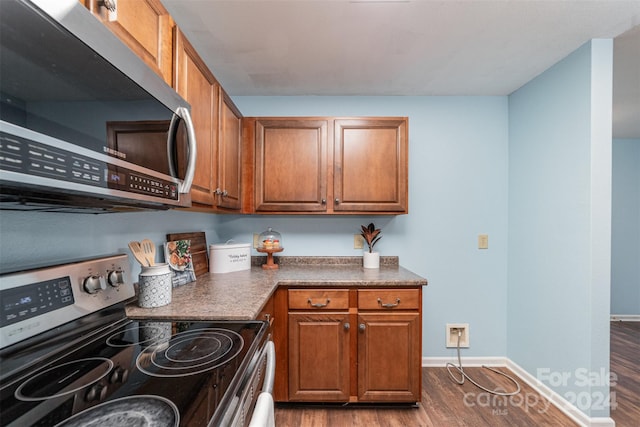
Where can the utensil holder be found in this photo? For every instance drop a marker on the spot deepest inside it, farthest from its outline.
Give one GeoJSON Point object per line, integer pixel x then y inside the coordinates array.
{"type": "Point", "coordinates": [154, 286]}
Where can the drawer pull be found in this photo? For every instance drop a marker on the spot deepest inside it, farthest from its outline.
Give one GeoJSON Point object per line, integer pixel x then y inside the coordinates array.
{"type": "Point", "coordinates": [347, 326]}
{"type": "Point", "coordinates": [268, 318]}
{"type": "Point", "coordinates": [390, 304]}
{"type": "Point", "coordinates": [318, 304]}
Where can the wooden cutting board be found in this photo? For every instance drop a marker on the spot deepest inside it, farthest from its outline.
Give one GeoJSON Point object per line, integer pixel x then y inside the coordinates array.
{"type": "Point", "coordinates": [199, 250]}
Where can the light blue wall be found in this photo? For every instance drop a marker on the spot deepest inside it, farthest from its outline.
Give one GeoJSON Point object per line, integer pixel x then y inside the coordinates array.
{"type": "Point", "coordinates": [457, 190]}
{"type": "Point", "coordinates": [625, 241]}
{"type": "Point", "coordinates": [559, 223]}
{"type": "Point", "coordinates": [46, 238]}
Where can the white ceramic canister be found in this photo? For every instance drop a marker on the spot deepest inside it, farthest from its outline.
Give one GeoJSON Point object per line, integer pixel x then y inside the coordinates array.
{"type": "Point", "coordinates": [154, 286]}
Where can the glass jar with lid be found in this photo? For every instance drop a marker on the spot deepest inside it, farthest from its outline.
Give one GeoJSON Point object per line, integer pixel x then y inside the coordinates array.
{"type": "Point", "coordinates": [270, 239]}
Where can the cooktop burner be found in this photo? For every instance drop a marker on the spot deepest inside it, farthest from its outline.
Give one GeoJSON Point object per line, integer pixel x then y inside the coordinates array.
{"type": "Point", "coordinates": [64, 379]}
{"type": "Point", "coordinates": [128, 411]}
{"type": "Point", "coordinates": [146, 333]}
{"type": "Point", "coordinates": [190, 352]}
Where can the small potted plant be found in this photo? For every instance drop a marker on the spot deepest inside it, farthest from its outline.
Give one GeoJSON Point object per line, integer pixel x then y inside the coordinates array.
{"type": "Point", "coordinates": [371, 235]}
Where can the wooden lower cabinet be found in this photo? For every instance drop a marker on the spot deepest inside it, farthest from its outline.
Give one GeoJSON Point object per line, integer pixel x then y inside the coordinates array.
{"type": "Point", "coordinates": [350, 345]}
{"type": "Point", "coordinates": [389, 357]}
{"type": "Point", "coordinates": [319, 357]}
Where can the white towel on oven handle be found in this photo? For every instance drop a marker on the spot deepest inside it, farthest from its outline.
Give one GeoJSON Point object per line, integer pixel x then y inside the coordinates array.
{"type": "Point", "coordinates": [263, 413]}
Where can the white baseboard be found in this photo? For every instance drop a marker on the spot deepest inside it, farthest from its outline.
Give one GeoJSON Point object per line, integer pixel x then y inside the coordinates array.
{"type": "Point", "coordinates": [556, 400]}
{"type": "Point", "coordinates": [625, 317]}
{"type": "Point", "coordinates": [437, 362]}
{"type": "Point", "coordinates": [559, 401]}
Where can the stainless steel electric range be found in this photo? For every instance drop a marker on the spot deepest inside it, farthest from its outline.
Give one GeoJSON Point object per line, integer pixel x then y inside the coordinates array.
{"type": "Point", "coordinates": [70, 357]}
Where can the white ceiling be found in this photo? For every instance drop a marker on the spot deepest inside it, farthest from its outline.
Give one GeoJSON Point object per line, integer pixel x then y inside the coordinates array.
{"type": "Point", "coordinates": [408, 47]}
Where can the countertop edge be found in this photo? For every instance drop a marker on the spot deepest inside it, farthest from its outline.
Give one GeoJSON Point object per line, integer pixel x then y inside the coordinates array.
{"type": "Point", "coordinates": [241, 296]}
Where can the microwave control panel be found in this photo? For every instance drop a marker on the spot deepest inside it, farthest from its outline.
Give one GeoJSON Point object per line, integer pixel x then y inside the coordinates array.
{"type": "Point", "coordinates": [34, 158]}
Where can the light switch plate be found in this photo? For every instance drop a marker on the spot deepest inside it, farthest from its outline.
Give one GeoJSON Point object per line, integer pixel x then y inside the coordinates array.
{"type": "Point", "coordinates": [358, 241]}
{"type": "Point", "coordinates": [483, 241]}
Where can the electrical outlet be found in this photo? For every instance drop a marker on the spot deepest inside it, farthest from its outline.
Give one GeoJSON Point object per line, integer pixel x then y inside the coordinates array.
{"type": "Point", "coordinates": [256, 240]}
{"type": "Point", "coordinates": [452, 334]}
{"type": "Point", "coordinates": [483, 241]}
{"type": "Point", "coordinates": [358, 241]}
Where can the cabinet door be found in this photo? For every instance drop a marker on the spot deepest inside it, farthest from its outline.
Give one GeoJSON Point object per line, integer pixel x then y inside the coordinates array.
{"type": "Point", "coordinates": [389, 357]}
{"type": "Point", "coordinates": [319, 357]}
{"type": "Point", "coordinates": [229, 146]}
{"type": "Point", "coordinates": [370, 165]}
{"type": "Point", "coordinates": [143, 25]}
{"type": "Point", "coordinates": [196, 84]}
{"type": "Point", "coordinates": [291, 165]}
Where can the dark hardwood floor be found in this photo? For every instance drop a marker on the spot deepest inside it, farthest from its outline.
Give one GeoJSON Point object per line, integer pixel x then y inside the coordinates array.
{"type": "Point", "coordinates": [447, 404]}
{"type": "Point", "coordinates": [625, 364]}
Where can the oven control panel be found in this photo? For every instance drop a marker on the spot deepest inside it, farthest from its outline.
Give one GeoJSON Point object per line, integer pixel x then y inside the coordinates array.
{"type": "Point", "coordinates": [34, 301]}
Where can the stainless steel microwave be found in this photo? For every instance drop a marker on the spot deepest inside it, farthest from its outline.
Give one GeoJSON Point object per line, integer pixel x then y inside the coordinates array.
{"type": "Point", "coordinates": [85, 125]}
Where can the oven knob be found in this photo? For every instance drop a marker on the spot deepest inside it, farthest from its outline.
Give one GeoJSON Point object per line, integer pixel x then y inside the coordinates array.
{"type": "Point", "coordinates": [96, 392]}
{"type": "Point", "coordinates": [115, 278]}
{"type": "Point", "coordinates": [93, 284]}
{"type": "Point", "coordinates": [119, 375]}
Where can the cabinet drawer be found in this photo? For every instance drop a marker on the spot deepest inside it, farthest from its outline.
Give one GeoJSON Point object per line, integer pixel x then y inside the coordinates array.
{"type": "Point", "coordinates": [389, 299]}
{"type": "Point", "coordinates": [319, 299]}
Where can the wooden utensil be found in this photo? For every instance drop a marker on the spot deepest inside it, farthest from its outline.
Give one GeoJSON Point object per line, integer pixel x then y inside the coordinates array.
{"type": "Point", "coordinates": [149, 250]}
{"type": "Point", "coordinates": [138, 254]}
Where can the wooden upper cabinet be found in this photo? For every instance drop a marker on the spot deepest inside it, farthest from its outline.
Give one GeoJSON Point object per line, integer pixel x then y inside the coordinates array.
{"type": "Point", "coordinates": [197, 85]}
{"type": "Point", "coordinates": [359, 167]}
{"type": "Point", "coordinates": [145, 27]}
{"type": "Point", "coordinates": [370, 165]}
{"type": "Point", "coordinates": [229, 154]}
{"type": "Point", "coordinates": [291, 165]}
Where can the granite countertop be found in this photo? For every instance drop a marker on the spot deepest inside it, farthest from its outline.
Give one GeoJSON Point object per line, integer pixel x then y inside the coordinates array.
{"type": "Point", "coordinates": [241, 295]}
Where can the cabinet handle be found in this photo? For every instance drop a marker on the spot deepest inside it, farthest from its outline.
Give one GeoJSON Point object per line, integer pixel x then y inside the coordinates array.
{"type": "Point", "coordinates": [362, 327]}
{"type": "Point", "coordinates": [268, 318]}
{"type": "Point", "coordinates": [337, 201]}
{"type": "Point", "coordinates": [318, 304]}
{"type": "Point", "coordinates": [225, 193]}
{"type": "Point", "coordinates": [347, 326]}
{"type": "Point", "coordinates": [109, 4]}
{"type": "Point", "coordinates": [323, 201]}
{"type": "Point", "coordinates": [389, 305]}
{"type": "Point", "coordinates": [217, 192]}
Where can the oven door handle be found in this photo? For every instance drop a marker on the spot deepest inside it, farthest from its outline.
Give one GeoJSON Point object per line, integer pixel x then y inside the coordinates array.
{"type": "Point", "coordinates": [270, 370]}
